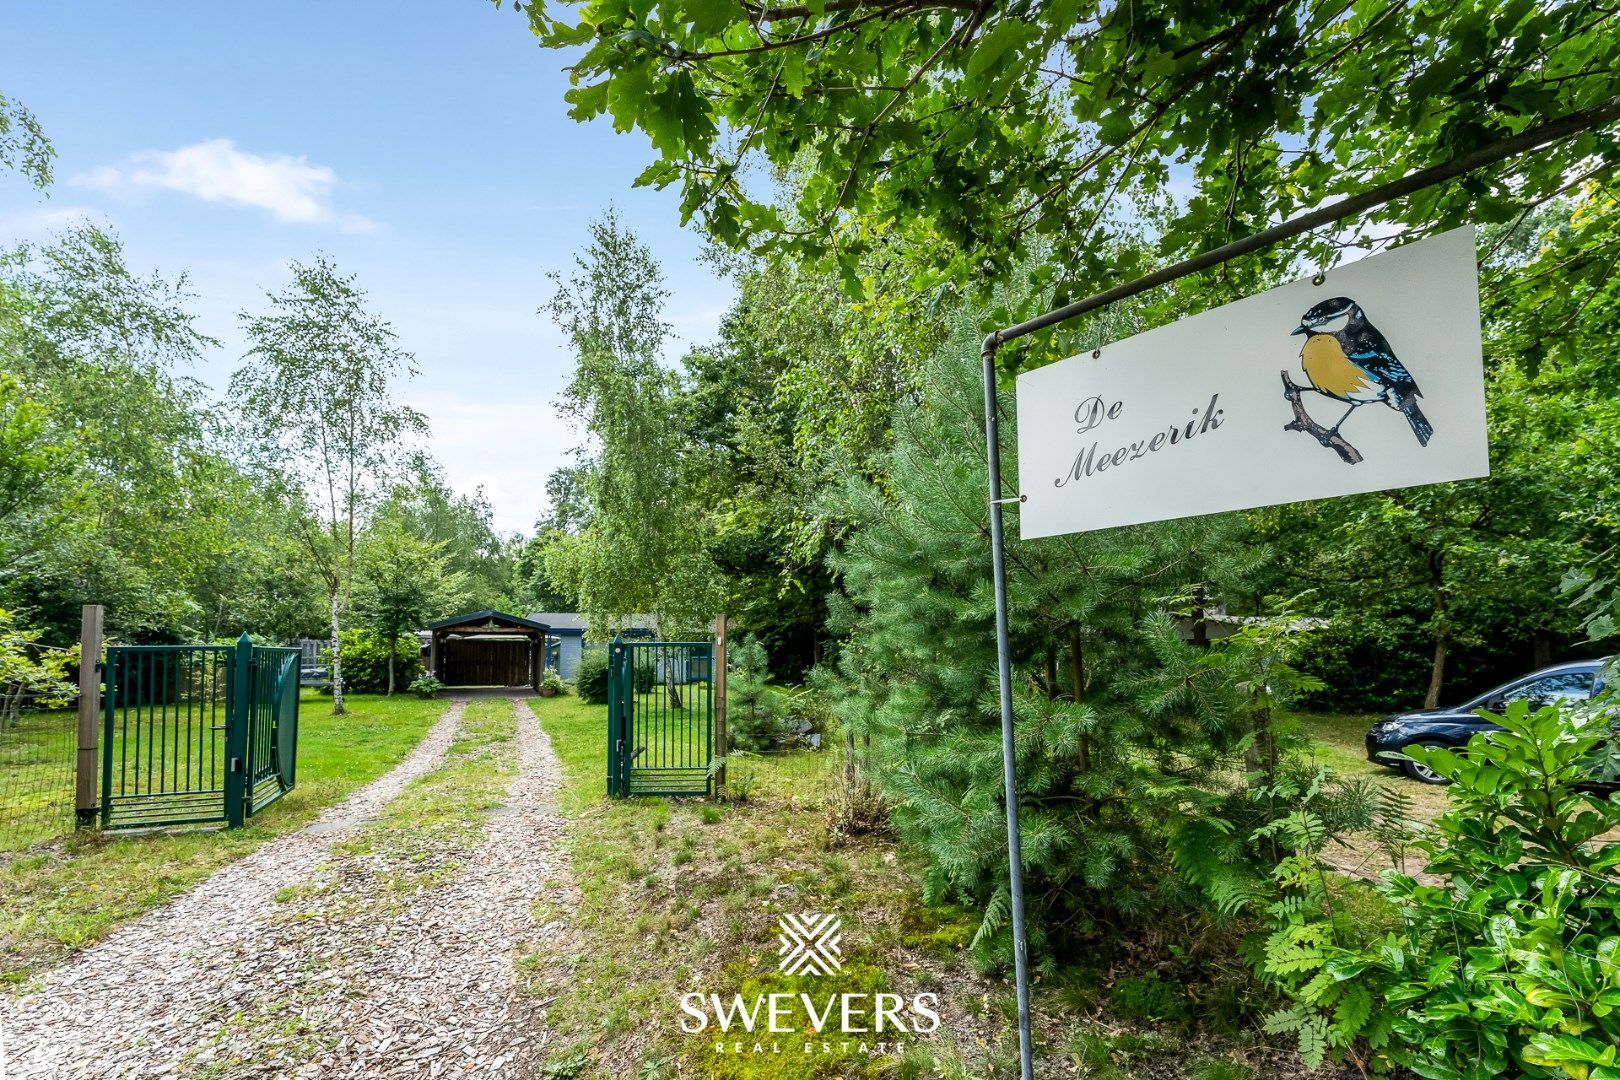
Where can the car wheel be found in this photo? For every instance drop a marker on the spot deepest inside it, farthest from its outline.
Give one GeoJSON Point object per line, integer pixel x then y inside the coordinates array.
{"type": "Point", "coordinates": [1422, 773]}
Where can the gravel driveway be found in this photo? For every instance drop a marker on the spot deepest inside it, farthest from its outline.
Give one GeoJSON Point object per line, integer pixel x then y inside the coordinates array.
{"type": "Point", "coordinates": [231, 980]}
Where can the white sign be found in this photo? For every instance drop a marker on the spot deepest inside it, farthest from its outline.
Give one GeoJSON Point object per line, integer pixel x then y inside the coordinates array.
{"type": "Point", "coordinates": [1371, 379]}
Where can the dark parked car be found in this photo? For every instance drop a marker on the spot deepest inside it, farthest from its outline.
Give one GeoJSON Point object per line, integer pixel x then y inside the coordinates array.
{"type": "Point", "coordinates": [1454, 726]}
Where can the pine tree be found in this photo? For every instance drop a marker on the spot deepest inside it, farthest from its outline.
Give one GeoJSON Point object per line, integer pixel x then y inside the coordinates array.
{"type": "Point", "coordinates": [752, 723]}
{"type": "Point", "coordinates": [1117, 717]}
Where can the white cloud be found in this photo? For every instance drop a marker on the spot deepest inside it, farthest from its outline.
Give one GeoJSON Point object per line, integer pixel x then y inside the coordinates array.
{"type": "Point", "coordinates": [34, 224]}
{"type": "Point", "coordinates": [513, 473]}
{"type": "Point", "coordinates": [292, 189]}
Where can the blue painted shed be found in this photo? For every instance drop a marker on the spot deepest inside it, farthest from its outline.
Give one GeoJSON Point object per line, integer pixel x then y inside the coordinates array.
{"type": "Point", "coordinates": [565, 639]}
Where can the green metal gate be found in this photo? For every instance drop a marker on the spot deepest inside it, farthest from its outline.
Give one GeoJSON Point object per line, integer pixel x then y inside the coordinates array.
{"type": "Point", "coordinates": [660, 717]}
{"type": "Point", "coordinates": [197, 734]}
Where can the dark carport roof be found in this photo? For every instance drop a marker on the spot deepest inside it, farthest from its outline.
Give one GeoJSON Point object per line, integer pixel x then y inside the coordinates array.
{"type": "Point", "coordinates": [499, 617]}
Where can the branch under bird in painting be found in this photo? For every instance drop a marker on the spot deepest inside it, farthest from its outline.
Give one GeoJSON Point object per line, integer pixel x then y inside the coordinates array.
{"type": "Point", "coordinates": [1302, 422]}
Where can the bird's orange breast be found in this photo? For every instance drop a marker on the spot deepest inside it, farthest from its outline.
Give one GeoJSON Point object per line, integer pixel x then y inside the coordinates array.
{"type": "Point", "coordinates": [1332, 372]}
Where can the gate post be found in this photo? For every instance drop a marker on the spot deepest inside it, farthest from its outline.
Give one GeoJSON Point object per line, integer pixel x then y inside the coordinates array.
{"type": "Point", "coordinates": [717, 676]}
{"type": "Point", "coordinates": [615, 730]}
{"type": "Point", "coordinates": [86, 804]}
{"type": "Point", "coordinates": [238, 709]}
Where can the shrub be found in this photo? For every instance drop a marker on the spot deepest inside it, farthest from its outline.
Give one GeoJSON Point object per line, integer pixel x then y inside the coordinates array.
{"type": "Point", "coordinates": [29, 675]}
{"type": "Point", "coordinates": [806, 711]}
{"type": "Point", "coordinates": [553, 682]}
{"type": "Point", "coordinates": [591, 678]}
{"type": "Point", "coordinates": [365, 661]}
{"type": "Point", "coordinates": [1366, 665]}
{"type": "Point", "coordinates": [1530, 889]}
{"type": "Point", "coordinates": [752, 718]}
{"type": "Point", "coordinates": [425, 686]}
{"type": "Point", "coordinates": [1151, 998]}
{"type": "Point", "coordinates": [742, 774]}
{"type": "Point", "coordinates": [1506, 968]}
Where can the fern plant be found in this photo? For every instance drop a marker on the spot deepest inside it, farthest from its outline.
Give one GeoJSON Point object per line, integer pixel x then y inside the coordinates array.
{"type": "Point", "coordinates": [1261, 855]}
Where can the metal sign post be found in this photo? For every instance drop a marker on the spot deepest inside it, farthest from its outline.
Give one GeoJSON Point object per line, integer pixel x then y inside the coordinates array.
{"type": "Point", "coordinates": [1009, 764]}
{"type": "Point", "coordinates": [1597, 116]}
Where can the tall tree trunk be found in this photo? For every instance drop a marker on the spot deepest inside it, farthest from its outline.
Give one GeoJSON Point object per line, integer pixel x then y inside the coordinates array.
{"type": "Point", "coordinates": [1260, 758]}
{"type": "Point", "coordinates": [337, 656]}
{"type": "Point", "coordinates": [1052, 689]}
{"type": "Point", "coordinates": [393, 641]}
{"type": "Point", "coordinates": [1541, 643]}
{"type": "Point", "coordinates": [1442, 639]}
{"type": "Point", "coordinates": [669, 680]}
{"type": "Point", "coordinates": [1437, 673]}
{"type": "Point", "coordinates": [849, 759]}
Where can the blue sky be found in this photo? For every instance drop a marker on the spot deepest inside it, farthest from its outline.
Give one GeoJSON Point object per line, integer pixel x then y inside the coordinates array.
{"type": "Point", "coordinates": [423, 145]}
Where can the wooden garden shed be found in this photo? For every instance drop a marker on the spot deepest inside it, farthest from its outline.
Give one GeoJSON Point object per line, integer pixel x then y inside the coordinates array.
{"type": "Point", "coordinates": [487, 648]}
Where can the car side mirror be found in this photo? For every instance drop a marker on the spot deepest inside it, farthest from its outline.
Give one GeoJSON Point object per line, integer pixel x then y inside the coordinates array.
{"type": "Point", "coordinates": [1495, 704]}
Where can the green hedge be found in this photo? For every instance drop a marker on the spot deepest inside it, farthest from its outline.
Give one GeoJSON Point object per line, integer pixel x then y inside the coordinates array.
{"type": "Point", "coordinates": [365, 661]}
{"type": "Point", "coordinates": [591, 678]}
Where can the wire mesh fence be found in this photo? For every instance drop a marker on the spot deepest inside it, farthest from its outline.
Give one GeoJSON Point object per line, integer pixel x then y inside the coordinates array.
{"type": "Point", "coordinates": [800, 777]}
{"type": "Point", "coordinates": [37, 760]}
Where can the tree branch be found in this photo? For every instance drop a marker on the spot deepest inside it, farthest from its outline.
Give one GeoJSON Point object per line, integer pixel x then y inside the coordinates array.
{"type": "Point", "coordinates": [1302, 422]}
{"type": "Point", "coordinates": [799, 11]}
{"type": "Point", "coordinates": [883, 114]}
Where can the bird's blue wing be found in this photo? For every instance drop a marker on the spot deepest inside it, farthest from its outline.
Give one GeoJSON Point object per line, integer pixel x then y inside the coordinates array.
{"type": "Point", "coordinates": [1381, 366]}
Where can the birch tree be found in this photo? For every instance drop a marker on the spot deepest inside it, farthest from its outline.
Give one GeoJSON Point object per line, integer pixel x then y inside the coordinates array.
{"type": "Point", "coordinates": [316, 392]}
{"type": "Point", "coordinates": [645, 547]}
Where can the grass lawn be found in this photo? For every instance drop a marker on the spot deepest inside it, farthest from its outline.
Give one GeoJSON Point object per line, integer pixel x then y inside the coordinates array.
{"type": "Point", "coordinates": [1338, 738]}
{"type": "Point", "coordinates": [37, 756]}
{"type": "Point", "coordinates": [683, 896]}
{"type": "Point", "coordinates": [68, 892]}
{"type": "Point", "coordinates": [679, 896]}
{"type": "Point", "coordinates": [1339, 742]}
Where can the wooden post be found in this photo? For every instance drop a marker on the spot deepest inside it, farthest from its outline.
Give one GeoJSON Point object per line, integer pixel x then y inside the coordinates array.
{"type": "Point", "coordinates": [719, 689]}
{"type": "Point", "coordinates": [86, 794]}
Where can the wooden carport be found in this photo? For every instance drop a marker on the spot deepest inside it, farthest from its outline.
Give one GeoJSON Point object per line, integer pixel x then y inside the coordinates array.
{"type": "Point", "coordinates": [487, 648]}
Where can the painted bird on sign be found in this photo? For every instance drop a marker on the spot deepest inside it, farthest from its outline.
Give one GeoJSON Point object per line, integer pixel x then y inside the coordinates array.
{"type": "Point", "coordinates": [1345, 357]}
